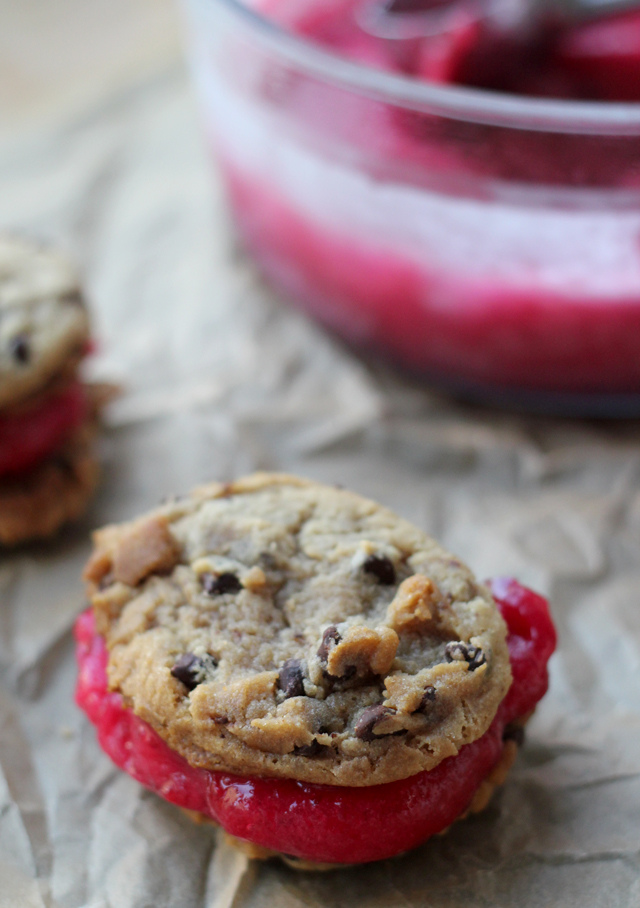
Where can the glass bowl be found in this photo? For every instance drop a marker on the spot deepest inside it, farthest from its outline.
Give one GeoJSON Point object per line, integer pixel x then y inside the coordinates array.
{"type": "Point", "coordinates": [488, 243]}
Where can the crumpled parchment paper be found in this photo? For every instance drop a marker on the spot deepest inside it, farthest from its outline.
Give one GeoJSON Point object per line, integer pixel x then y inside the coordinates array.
{"type": "Point", "coordinates": [221, 378]}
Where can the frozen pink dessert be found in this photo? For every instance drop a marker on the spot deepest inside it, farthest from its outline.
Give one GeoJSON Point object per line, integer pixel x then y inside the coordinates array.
{"type": "Point", "coordinates": [325, 823]}
{"type": "Point", "coordinates": [479, 248]}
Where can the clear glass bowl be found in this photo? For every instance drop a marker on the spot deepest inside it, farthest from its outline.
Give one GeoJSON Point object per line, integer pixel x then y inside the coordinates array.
{"type": "Point", "coordinates": [488, 243]}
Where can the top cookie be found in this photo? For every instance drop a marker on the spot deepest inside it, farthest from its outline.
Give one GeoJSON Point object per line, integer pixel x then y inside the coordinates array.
{"type": "Point", "coordinates": [278, 627]}
{"type": "Point", "coordinates": [43, 321]}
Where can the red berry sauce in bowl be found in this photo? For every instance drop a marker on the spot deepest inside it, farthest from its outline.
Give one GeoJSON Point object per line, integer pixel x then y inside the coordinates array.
{"type": "Point", "coordinates": [466, 207]}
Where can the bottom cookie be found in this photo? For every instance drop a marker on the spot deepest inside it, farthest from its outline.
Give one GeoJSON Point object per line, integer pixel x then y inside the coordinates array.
{"type": "Point", "coordinates": [55, 493]}
{"type": "Point", "coordinates": [514, 736]}
{"type": "Point", "coordinates": [36, 504]}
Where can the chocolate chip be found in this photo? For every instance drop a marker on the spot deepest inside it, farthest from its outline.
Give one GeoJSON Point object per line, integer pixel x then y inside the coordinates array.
{"type": "Point", "coordinates": [309, 750]}
{"type": "Point", "coordinates": [20, 349]}
{"type": "Point", "coordinates": [458, 651]}
{"type": "Point", "coordinates": [372, 716]}
{"type": "Point", "coordinates": [63, 463]}
{"type": "Point", "coordinates": [428, 698]}
{"type": "Point", "coordinates": [191, 669]}
{"type": "Point", "coordinates": [381, 568]}
{"type": "Point", "coordinates": [331, 635]}
{"type": "Point", "coordinates": [478, 658]}
{"type": "Point", "coordinates": [291, 678]}
{"type": "Point", "coordinates": [219, 584]}
{"type": "Point", "coordinates": [515, 733]}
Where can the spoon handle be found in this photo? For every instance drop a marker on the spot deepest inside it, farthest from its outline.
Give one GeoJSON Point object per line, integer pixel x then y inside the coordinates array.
{"type": "Point", "coordinates": [579, 10]}
{"type": "Point", "coordinates": [569, 12]}
{"type": "Point", "coordinates": [406, 19]}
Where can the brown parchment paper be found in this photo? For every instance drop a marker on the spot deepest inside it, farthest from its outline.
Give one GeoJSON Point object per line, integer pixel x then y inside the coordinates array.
{"type": "Point", "coordinates": [221, 379]}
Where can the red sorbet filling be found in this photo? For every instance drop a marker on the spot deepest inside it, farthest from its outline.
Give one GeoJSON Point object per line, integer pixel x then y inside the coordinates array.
{"type": "Point", "coordinates": [530, 326]}
{"type": "Point", "coordinates": [324, 823]}
{"type": "Point", "coordinates": [28, 438]}
{"type": "Point", "coordinates": [481, 330]}
{"type": "Point", "coordinates": [599, 60]}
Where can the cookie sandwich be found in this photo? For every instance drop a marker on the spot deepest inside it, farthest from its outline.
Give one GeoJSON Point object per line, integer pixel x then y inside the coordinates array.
{"type": "Point", "coordinates": [48, 416]}
{"type": "Point", "coordinates": [305, 668]}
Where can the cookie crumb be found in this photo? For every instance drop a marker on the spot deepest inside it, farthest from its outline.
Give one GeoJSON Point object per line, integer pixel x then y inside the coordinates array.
{"type": "Point", "coordinates": [411, 607]}
{"type": "Point", "coordinates": [146, 547]}
{"type": "Point", "coordinates": [365, 649]}
{"type": "Point", "coordinates": [254, 580]}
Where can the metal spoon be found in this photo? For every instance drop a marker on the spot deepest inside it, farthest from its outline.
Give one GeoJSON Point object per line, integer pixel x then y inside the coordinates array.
{"type": "Point", "coordinates": [524, 19]}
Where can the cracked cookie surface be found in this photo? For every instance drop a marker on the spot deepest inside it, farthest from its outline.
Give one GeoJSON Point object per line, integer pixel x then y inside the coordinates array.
{"type": "Point", "coordinates": [278, 627]}
{"type": "Point", "coordinates": [43, 320]}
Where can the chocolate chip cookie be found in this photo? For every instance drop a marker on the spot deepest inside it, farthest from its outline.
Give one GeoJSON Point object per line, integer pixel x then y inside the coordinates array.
{"type": "Point", "coordinates": [48, 415]}
{"type": "Point", "coordinates": [280, 628]}
{"type": "Point", "coordinates": [43, 318]}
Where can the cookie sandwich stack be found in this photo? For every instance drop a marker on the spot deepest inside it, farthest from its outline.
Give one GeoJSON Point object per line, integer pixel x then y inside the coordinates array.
{"type": "Point", "coordinates": [48, 416]}
{"type": "Point", "coordinates": [305, 668]}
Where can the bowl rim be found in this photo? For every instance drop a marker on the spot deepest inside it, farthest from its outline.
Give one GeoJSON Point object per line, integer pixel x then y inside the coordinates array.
{"type": "Point", "coordinates": [473, 105]}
